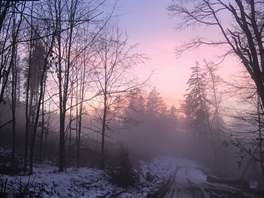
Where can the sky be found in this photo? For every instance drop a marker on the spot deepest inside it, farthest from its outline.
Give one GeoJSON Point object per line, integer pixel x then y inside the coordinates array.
{"type": "Point", "coordinates": [147, 23]}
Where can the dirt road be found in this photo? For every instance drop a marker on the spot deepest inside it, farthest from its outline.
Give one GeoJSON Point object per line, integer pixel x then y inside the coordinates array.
{"type": "Point", "coordinates": [190, 182]}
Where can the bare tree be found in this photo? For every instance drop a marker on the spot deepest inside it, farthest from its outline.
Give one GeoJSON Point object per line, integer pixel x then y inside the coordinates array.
{"type": "Point", "coordinates": [5, 7]}
{"type": "Point", "coordinates": [10, 36]}
{"type": "Point", "coordinates": [82, 92]}
{"type": "Point", "coordinates": [39, 99]}
{"type": "Point", "coordinates": [114, 59]}
{"type": "Point", "coordinates": [246, 128]}
{"type": "Point", "coordinates": [14, 89]}
{"type": "Point", "coordinates": [214, 98]}
{"type": "Point", "coordinates": [41, 48]}
{"type": "Point", "coordinates": [69, 16]}
{"type": "Point", "coordinates": [28, 90]}
{"type": "Point", "coordinates": [35, 73]}
{"type": "Point", "coordinates": [239, 22]}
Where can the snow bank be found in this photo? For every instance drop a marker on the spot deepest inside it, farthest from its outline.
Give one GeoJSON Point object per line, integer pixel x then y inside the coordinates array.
{"type": "Point", "coordinates": [84, 182]}
{"type": "Point", "coordinates": [164, 167]}
{"type": "Point", "coordinates": [92, 183]}
{"type": "Point", "coordinates": [47, 182]}
{"type": "Point", "coordinates": [161, 167]}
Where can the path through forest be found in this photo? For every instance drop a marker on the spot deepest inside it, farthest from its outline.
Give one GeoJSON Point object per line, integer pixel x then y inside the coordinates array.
{"type": "Point", "coordinates": [190, 182]}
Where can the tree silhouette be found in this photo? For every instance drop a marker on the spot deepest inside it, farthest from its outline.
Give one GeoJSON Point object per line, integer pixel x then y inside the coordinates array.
{"type": "Point", "coordinates": [195, 107]}
{"type": "Point", "coordinates": [155, 104]}
{"type": "Point", "coordinates": [239, 22]}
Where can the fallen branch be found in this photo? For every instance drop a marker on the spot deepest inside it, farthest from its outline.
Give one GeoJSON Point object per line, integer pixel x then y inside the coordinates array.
{"type": "Point", "coordinates": [6, 123]}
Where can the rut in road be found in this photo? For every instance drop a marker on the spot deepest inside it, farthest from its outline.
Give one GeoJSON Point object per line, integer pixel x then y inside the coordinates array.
{"type": "Point", "coordinates": [182, 185]}
{"type": "Point", "coordinates": [183, 189]}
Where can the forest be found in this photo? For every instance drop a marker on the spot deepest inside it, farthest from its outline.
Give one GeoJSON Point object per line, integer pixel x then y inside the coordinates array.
{"type": "Point", "coordinates": [78, 120]}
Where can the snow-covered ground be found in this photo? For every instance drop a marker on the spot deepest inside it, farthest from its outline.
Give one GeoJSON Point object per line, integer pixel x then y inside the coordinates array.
{"type": "Point", "coordinates": [89, 182]}
{"type": "Point", "coordinates": [165, 166]}
{"type": "Point", "coordinates": [189, 171]}
{"type": "Point", "coordinates": [180, 176]}
{"type": "Point", "coordinates": [47, 182]}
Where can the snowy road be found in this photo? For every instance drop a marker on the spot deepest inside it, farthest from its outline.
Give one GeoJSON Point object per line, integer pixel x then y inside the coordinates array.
{"type": "Point", "coordinates": [188, 181]}
{"type": "Point", "coordinates": [185, 182]}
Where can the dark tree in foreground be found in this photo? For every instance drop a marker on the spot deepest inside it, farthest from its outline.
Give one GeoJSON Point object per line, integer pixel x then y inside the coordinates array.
{"type": "Point", "coordinates": [247, 126]}
{"type": "Point", "coordinates": [240, 23]}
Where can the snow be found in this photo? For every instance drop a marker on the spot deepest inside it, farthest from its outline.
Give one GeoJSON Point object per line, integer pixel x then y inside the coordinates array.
{"type": "Point", "coordinates": [189, 170]}
{"type": "Point", "coordinates": [164, 167]}
{"type": "Point", "coordinates": [83, 182]}
{"type": "Point", "coordinates": [191, 174]}
{"type": "Point", "coordinates": [253, 184]}
{"type": "Point", "coordinates": [46, 182]}
{"type": "Point", "coordinates": [90, 182]}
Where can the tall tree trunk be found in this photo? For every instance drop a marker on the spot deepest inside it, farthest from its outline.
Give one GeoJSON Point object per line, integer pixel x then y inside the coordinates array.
{"type": "Point", "coordinates": [70, 127]}
{"type": "Point", "coordinates": [77, 122]}
{"type": "Point", "coordinates": [42, 123]}
{"type": "Point", "coordinates": [14, 89]}
{"type": "Point", "coordinates": [260, 122]}
{"type": "Point", "coordinates": [5, 5]}
{"type": "Point", "coordinates": [104, 117]}
{"type": "Point", "coordinates": [103, 135]}
{"type": "Point", "coordinates": [64, 87]}
{"type": "Point", "coordinates": [61, 89]}
{"type": "Point", "coordinates": [38, 105]}
{"type": "Point", "coordinates": [29, 97]}
{"type": "Point", "coordinates": [82, 90]}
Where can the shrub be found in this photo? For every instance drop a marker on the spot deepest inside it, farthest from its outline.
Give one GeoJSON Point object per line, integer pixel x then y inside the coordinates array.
{"type": "Point", "coordinates": [7, 166]}
{"type": "Point", "coordinates": [3, 184]}
{"type": "Point", "coordinates": [123, 174]}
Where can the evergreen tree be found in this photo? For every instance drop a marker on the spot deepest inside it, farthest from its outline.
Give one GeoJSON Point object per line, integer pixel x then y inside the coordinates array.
{"type": "Point", "coordinates": [35, 66]}
{"type": "Point", "coordinates": [173, 112]}
{"type": "Point", "coordinates": [136, 101]}
{"type": "Point", "coordinates": [155, 104]}
{"type": "Point", "coordinates": [195, 107]}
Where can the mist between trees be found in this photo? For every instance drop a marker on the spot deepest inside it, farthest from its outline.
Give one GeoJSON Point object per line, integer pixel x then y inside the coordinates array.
{"type": "Point", "coordinates": [69, 94]}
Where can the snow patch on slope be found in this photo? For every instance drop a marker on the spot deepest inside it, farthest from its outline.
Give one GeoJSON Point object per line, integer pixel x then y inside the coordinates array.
{"type": "Point", "coordinates": [90, 182]}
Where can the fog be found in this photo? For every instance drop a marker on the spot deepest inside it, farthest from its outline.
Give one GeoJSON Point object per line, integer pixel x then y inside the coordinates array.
{"type": "Point", "coordinates": [145, 128]}
{"type": "Point", "coordinates": [86, 111]}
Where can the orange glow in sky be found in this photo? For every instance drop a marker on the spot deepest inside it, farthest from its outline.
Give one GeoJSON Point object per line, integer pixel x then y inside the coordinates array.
{"type": "Point", "coordinates": [148, 23]}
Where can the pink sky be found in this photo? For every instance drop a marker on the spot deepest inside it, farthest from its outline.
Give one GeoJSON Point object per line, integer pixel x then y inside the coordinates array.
{"type": "Point", "coordinates": [147, 22]}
